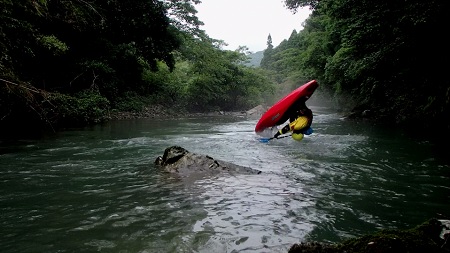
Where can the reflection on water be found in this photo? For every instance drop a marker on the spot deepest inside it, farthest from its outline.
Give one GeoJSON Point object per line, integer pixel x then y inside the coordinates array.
{"type": "Point", "coordinates": [97, 189]}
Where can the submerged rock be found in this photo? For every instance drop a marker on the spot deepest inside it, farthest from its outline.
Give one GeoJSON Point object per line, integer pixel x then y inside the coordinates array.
{"type": "Point", "coordinates": [186, 164]}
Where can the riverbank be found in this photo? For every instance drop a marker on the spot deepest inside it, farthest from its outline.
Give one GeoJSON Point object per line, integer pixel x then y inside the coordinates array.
{"type": "Point", "coordinates": [159, 111]}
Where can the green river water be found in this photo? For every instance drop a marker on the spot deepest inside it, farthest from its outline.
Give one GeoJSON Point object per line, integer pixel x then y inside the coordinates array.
{"type": "Point", "coordinates": [96, 189]}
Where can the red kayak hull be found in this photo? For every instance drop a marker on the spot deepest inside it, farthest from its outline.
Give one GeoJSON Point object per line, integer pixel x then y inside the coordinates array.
{"type": "Point", "coordinates": [275, 115]}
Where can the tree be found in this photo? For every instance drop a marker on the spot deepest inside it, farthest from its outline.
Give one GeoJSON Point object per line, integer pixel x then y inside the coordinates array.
{"type": "Point", "coordinates": [267, 53]}
{"type": "Point", "coordinates": [374, 51]}
{"type": "Point", "coordinates": [182, 16]}
{"type": "Point", "coordinates": [61, 57]}
{"type": "Point", "coordinates": [295, 4]}
{"type": "Point", "coordinates": [70, 46]}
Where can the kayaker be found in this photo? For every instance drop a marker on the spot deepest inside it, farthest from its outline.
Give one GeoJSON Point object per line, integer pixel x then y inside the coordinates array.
{"type": "Point", "coordinates": [300, 120]}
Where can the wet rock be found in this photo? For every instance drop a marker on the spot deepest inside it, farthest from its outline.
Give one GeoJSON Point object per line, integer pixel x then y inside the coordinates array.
{"type": "Point", "coordinates": [186, 164]}
{"type": "Point", "coordinates": [428, 237]}
{"type": "Point", "coordinates": [256, 112]}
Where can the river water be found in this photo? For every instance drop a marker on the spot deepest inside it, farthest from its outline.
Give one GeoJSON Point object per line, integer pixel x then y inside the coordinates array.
{"type": "Point", "coordinates": [96, 189]}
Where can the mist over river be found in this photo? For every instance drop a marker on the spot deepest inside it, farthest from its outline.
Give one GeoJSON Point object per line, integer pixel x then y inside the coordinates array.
{"type": "Point", "coordinates": [97, 190]}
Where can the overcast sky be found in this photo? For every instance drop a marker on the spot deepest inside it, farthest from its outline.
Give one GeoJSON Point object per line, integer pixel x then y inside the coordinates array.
{"type": "Point", "coordinates": [249, 22]}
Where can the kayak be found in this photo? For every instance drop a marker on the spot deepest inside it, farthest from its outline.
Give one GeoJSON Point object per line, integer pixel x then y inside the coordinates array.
{"type": "Point", "coordinates": [276, 115]}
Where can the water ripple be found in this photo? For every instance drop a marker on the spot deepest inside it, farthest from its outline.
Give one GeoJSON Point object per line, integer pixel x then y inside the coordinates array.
{"type": "Point", "coordinates": [97, 189]}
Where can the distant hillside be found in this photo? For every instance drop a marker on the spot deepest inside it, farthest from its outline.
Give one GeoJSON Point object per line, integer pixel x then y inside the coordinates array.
{"type": "Point", "coordinates": [255, 59]}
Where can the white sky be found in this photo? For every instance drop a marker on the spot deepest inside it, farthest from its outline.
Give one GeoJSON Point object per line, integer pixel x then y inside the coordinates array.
{"type": "Point", "coordinates": [249, 22]}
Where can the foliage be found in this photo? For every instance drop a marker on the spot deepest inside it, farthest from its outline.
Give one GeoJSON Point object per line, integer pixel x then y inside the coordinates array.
{"type": "Point", "coordinates": [382, 55]}
{"type": "Point", "coordinates": [20, 102]}
{"type": "Point", "coordinates": [69, 62]}
{"type": "Point", "coordinates": [70, 46]}
{"type": "Point", "coordinates": [207, 78]}
{"type": "Point", "coordinates": [38, 110]}
{"type": "Point", "coordinates": [53, 44]}
{"type": "Point", "coordinates": [170, 85]}
{"type": "Point", "coordinates": [86, 107]}
{"type": "Point", "coordinates": [267, 57]}
{"type": "Point", "coordinates": [295, 4]}
{"type": "Point", "coordinates": [133, 53]}
{"type": "Point", "coordinates": [182, 15]}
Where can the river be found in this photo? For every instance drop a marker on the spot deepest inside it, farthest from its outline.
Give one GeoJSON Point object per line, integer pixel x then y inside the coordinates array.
{"type": "Point", "coordinates": [96, 189]}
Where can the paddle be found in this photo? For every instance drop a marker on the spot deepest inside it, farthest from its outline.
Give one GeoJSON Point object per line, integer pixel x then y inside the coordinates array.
{"type": "Point", "coordinates": [265, 140]}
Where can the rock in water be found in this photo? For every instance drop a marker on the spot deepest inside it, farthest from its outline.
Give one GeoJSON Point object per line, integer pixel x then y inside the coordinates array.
{"type": "Point", "coordinates": [178, 160]}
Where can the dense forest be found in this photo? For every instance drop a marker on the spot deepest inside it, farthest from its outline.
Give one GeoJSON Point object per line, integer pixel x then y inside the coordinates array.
{"type": "Point", "coordinates": [72, 63]}
{"type": "Point", "coordinates": [384, 58]}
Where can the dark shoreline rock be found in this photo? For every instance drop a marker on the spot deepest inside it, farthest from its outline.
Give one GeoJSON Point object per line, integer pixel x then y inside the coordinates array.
{"type": "Point", "coordinates": [430, 237]}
